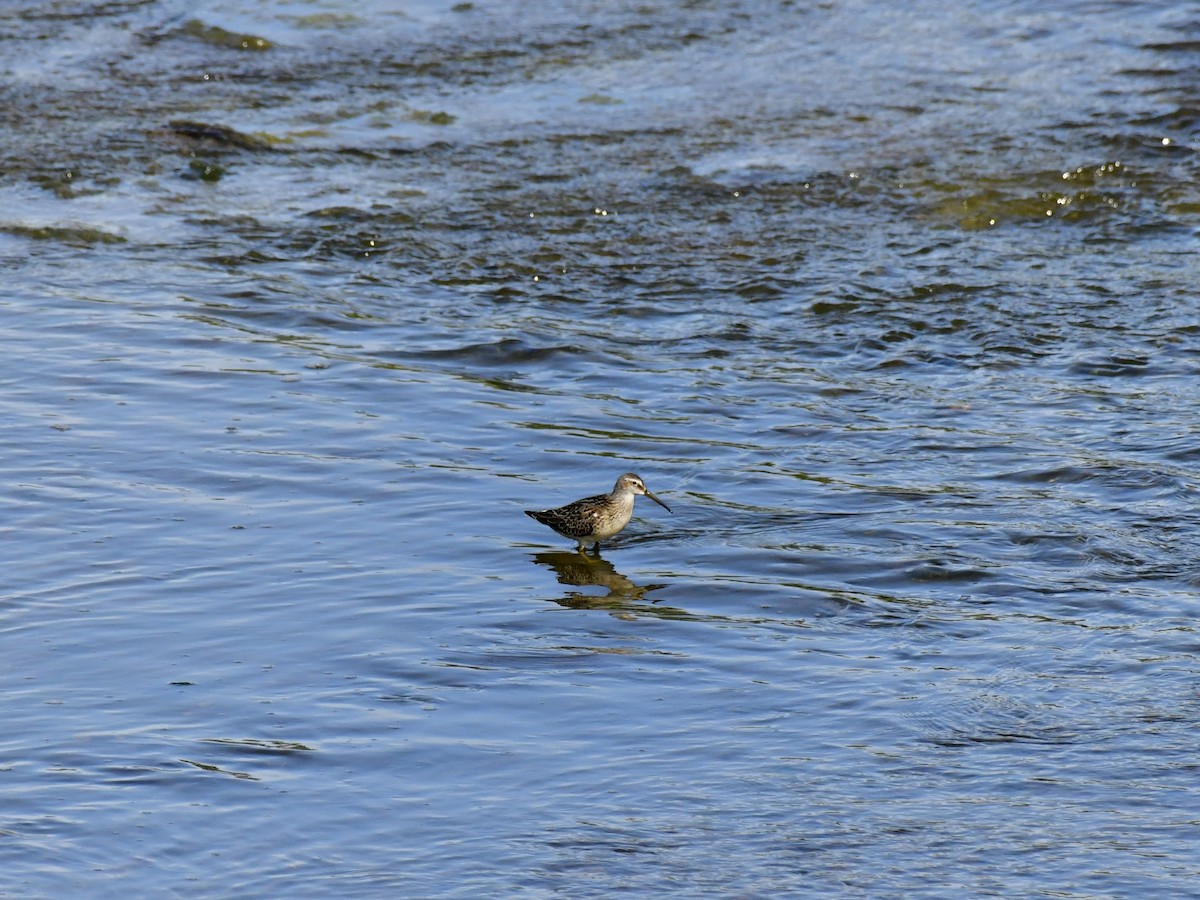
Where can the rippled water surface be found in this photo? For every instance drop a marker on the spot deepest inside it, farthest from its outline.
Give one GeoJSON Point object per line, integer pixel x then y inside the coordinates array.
{"type": "Point", "coordinates": [895, 305]}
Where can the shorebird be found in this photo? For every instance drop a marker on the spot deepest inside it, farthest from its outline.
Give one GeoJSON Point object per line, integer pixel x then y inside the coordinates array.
{"type": "Point", "coordinates": [595, 519]}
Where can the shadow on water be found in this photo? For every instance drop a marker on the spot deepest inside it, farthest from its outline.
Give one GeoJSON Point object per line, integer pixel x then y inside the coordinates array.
{"type": "Point", "coordinates": [577, 569]}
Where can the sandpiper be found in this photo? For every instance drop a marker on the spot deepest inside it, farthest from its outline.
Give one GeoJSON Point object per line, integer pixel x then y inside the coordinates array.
{"type": "Point", "coordinates": [595, 519]}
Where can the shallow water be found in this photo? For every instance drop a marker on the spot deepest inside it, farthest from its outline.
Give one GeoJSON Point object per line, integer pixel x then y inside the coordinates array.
{"type": "Point", "coordinates": [305, 302]}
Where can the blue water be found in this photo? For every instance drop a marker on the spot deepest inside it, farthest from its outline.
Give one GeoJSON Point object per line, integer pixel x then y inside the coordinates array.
{"type": "Point", "coordinates": [896, 309]}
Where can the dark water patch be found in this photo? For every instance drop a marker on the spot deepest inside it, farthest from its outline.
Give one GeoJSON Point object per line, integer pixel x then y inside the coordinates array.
{"type": "Point", "coordinates": [941, 571]}
{"type": "Point", "coordinates": [504, 352]}
{"type": "Point", "coordinates": [70, 236]}
{"type": "Point", "coordinates": [1115, 367]}
{"type": "Point", "coordinates": [221, 37]}
{"type": "Point", "coordinates": [1180, 46]}
{"type": "Point", "coordinates": [1056, 475]}
{"type": "Point", "coordinates": [1086, 194]}
{"type": "Point", "coordinates": [213, 769]}
{"type": "Point", "coordinates": [257, 745]}
{"type": "Point", "coordinates": [212, 136]}
{"type": "Point", "coordinates": [1124, 482]}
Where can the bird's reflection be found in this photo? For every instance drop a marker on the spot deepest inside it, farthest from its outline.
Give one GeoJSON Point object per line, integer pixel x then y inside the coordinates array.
{"type": "Point", "coordinates": [581, 569]}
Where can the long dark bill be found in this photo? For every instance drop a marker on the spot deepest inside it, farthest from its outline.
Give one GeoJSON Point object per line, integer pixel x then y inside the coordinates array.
{"type": "Point", "coordinates": [659, 502]}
